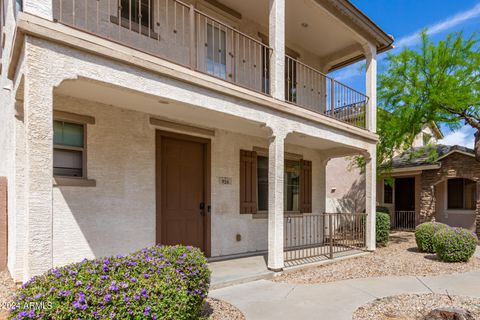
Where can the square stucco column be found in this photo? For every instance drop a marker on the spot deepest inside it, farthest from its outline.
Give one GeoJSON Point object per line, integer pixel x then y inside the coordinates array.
{"type": "Point", "coordinates": [371, 86]}
{"type": "Point", "coordinates": [277, 43]}
{"type": "Point", "coordinates": [370, 198]}
{"type": "Point", "coordinates": [38, 110]}
{"type": "Point", "coordinates": [275, 201]}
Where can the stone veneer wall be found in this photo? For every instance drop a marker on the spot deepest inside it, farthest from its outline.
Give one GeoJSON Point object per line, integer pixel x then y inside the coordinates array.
{"type": "Point", "coordinates": [454, 166]}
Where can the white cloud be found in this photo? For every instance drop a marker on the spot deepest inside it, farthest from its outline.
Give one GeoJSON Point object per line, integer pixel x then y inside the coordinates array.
{"type": "Point", "coordinates": [412, 39]}
{"type": "Point", "coordinates": [349, 72]}
{"type": "Point", "coordinates": [463, 137]}
{"type": "Point", "coordinates": [447, 24]}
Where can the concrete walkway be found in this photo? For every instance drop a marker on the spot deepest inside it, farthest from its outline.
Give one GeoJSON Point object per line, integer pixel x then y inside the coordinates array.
{"type": "Point", "coordinates": [265, 299]}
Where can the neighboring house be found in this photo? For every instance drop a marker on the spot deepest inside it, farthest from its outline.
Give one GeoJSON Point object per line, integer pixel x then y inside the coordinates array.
{"type": "Point", "coordinates": [208, 123]}
{"type": "Point", "coordinates": [348, 193]}
{"type": "Point", "coordinates": [433, 182]}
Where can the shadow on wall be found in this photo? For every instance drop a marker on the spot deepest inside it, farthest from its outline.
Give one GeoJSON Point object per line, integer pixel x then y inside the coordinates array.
{"type": "Point", "coordinates": [354, 200]}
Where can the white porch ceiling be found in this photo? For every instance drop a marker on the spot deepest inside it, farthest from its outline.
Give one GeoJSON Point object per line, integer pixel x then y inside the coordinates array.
{"type": "Point", "coordinates": [324, 35]}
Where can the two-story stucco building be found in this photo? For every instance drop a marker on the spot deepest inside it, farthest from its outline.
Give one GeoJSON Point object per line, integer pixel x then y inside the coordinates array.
{"type": "Point", "coordinates": [203, 122]}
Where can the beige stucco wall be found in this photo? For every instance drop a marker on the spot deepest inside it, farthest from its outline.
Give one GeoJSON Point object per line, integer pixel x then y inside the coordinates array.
{"type": "Point", "coordinates": [118, 214]}
{"type": "Point", "coordinates": [345, 186]}
{"type": "Point", "coordinates": [11, 141]}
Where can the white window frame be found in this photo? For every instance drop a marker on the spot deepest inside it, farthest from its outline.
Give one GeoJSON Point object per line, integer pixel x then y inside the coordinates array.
{"type": "Point", "coordinates": [60, 180]}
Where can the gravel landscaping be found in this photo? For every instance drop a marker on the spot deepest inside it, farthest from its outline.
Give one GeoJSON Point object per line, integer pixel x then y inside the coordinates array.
{"type": "Point", "coordinates": [401, 257]}
{"type": "Point", "coordinates": [7, 289]}
{"type": "Point", "coordinates": [414, 306]}
{"type": "Point", "coordinates": [220, 310]}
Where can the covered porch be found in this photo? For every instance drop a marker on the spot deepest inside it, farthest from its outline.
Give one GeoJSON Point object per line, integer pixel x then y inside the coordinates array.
{"type": "Point", "coordinates": [109, 196]}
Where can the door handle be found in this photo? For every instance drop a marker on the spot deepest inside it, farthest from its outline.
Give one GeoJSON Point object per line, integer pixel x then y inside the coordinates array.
{"type": "Point", "coordinates": [202, 205]}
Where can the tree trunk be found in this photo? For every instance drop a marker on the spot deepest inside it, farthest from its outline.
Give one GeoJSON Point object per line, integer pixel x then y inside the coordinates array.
{"type": "Point", "coordinates": [477, 145]}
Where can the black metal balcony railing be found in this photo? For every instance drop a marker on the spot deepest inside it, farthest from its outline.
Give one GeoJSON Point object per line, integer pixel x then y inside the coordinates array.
{"type": "Point", "coordinates": [313, 90]}
{"type": "Point", "coordinates": [323, 235]}
{"type": "Point", "coordinates": [175, 31]}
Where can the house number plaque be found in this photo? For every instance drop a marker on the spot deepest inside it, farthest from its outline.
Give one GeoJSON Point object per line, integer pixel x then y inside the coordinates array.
{"type": "Point", "coordinates": [225, 180]}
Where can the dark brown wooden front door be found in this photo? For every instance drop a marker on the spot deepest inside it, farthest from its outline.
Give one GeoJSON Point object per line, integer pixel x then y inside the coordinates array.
{"type": "Point", "coordinates": [181, 178]}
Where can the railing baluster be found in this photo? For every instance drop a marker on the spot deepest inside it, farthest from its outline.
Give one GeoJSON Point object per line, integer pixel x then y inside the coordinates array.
{"type": "Point", "coordinates": [192, 37]}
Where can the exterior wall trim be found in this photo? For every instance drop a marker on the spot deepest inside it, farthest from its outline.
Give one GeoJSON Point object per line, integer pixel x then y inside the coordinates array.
{"type": "Point", "coordinates": [419, 168]}
{"type": "Point", "coordinates": [73, 182]}
{"type": "Point", "coordinates": [68, 116]}
{"type": "Point", "coordinates": [34, 26]}
{"type": "Point", "coordinates": [176, 126]}
{"type": "Point", "coordinates": [458, 151]}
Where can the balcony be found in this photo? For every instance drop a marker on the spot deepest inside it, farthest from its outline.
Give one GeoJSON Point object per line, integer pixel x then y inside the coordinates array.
{"type": "Point", "coordinates": [183, 34]}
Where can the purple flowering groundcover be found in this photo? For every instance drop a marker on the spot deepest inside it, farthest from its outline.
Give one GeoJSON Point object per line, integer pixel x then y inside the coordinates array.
{"type": "Point", "coordinates": [161, 282]}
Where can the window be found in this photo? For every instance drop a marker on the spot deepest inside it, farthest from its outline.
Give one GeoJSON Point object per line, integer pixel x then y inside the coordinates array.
{"type": "Point", "coordinates": [387, 192]}
{"type": "Point", "coordinates": [138, 11]}
{"type": "Point", "coordinates": [216, 52]}
{"type": "Point", "coordinates": [291, 184]}
{"type": "Point", "coordinates": [462, 194]}
{"type": "Point", "coordinates": [18, 7]}
{"type": "Point", "coordinates": [68, 149]}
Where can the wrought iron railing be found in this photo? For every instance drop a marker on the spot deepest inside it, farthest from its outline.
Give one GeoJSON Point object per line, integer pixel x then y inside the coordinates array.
{"type": "Point", "coordinates": [174, 31]}
{"type": "Point", "coordinates": [404, 221]}
{"type": "Point", "coordinates": [313, 90]}
{"type": "Point", "coordinates": [180, 33]}
{"type": "Point", "coordinates": [328, 234]}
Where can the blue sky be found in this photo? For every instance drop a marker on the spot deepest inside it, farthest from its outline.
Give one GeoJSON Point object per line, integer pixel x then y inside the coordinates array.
{"type": "Point", "coordinates": [404, 19]}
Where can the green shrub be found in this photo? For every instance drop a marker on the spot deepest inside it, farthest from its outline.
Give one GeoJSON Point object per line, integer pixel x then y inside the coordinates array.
{"type": "Point", "coordinates": [382, 228]}
{"type": "Point", "coordinates": [455, 244]}
{"type": "Point", "coordinates": [424, 235]}
{"type": "Point", "coordinates": [383, 209]}
{"type": "Point", "coordinates": [160, 282]}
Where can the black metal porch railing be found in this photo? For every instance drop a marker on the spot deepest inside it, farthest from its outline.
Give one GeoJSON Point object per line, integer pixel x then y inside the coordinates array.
{"type": "Point", "coordinates": [180, 33]}
{"type": "Point", "coordinates": [323, 235]}
{"type": "Point", "coordinates": [404, 221]}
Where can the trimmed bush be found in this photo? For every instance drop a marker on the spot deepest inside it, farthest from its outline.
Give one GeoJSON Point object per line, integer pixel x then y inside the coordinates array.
{"type": "Point", "coordinates": [160, 282]}
{"type": "Point", "coordinates": [382, 229]}
{"type": "Point", "coordinates": [424, 235]}
{"type": "Point", "coordinates": [455, 244]}
{"type": "Point", "coordinates": [383, 209]}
